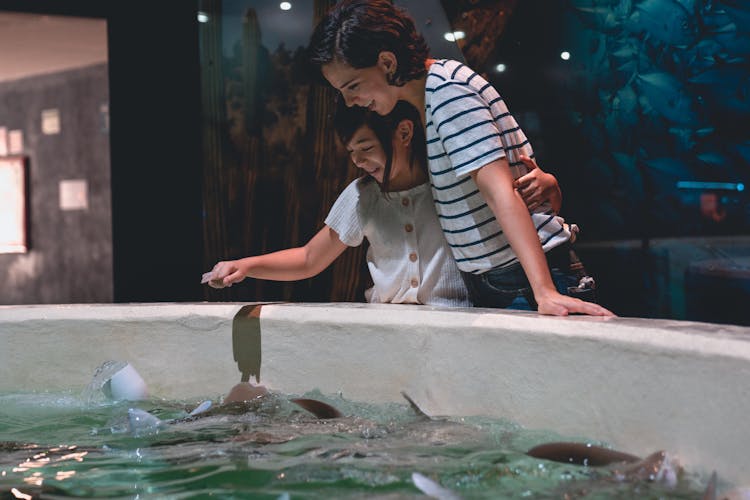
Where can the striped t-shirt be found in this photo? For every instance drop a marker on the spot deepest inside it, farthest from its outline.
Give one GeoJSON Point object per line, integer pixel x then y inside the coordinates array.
{"type": "Point", "coordinates": [467, 127]}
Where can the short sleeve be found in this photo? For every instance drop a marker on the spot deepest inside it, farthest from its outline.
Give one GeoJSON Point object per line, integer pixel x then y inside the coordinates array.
{"type": "Point", "coordinates": [465, 126]}
{"type": "Point", "coordinates": [345, 216]}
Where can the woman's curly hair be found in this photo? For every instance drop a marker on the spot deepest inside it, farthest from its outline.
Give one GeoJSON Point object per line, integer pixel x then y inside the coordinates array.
{"type": "Point", "coordinates": [355, 32]}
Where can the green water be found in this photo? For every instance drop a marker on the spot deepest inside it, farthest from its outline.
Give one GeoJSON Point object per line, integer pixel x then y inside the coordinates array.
{"type": "Point", "coordinates": [62, 446]}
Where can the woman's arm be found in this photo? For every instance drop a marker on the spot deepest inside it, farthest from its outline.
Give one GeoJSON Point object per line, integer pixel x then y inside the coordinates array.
{"type": "Point", "coordinates": [285, 265]}
{"type": "Point", "coordinates": [538, 186]}
{"type": "Point", "coordinates": [495, 182]}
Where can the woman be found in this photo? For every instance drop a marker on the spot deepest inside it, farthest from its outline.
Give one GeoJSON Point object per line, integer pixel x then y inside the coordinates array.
{"type": "Point", "coordinates": [370, 51]}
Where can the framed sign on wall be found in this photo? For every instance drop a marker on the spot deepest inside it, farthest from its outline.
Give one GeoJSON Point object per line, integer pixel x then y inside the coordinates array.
{"type": "Point", "coordinates": [14, 204]}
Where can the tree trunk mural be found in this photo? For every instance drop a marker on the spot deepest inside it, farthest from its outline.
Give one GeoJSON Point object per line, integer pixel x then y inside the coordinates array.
{"type": "Point", "coordinates": [273, 167]}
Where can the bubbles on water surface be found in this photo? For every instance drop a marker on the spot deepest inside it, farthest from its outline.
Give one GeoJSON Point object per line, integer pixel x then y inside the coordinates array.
{"type": "Point", "coordinates": [94, 392]}
{"type": "Point", "coordinates": [271, 447]}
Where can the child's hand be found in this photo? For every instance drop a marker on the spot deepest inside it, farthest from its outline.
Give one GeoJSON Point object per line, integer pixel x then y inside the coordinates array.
{"type": "Point", "coordinates": [538, 186]}
{"type": "Point", "coordinates": [224, 274]}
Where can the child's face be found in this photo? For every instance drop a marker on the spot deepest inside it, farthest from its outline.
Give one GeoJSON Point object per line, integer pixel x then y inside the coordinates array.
{"type": "Point", "coordinates": [366, 87]}
{"type": "Point", "coordinates": [367, 153]}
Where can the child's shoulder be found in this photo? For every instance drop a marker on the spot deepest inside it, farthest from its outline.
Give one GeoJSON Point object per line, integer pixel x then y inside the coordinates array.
{"type": "Point", "coordinates": [362, 188]}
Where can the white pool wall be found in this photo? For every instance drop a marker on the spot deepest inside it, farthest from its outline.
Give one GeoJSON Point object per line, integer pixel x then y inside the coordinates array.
{"type": "Point", "coordinates": [638, 385]}
{"type": "Point", "coordinates": [181, 350]}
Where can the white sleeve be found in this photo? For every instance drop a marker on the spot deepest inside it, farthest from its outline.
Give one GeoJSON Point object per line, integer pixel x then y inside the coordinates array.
{"type": "Point", "coordinates": [345, 217]}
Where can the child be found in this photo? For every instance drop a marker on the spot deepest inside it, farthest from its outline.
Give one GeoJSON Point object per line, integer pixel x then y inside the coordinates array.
{"type": "Point", "coordinates": [370, 51]}
{"type": "Point", "coordinates": [391, 206]}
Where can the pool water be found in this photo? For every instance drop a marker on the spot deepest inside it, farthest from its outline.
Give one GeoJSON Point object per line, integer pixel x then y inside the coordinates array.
{"type": "Point", "coordinates": [68, 445]}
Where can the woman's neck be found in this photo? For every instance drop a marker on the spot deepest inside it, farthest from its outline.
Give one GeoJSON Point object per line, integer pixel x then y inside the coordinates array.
{"type": "Point", "coordinates": [413, 91]}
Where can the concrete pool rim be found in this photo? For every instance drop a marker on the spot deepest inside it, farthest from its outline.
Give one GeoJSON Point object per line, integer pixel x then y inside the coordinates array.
{"type": "Point", "coordinates": [638, 384]}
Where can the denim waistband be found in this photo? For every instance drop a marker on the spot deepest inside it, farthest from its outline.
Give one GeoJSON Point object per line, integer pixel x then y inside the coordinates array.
{"type": "Point", "coordinates": [561, 257]}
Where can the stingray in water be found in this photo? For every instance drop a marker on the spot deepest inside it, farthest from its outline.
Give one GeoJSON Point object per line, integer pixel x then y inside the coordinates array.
{"type": "Point", "coordinates": [259, 422]}
{"type": "Point", "coordinates": [657, 467]}
{"type": "Point", "coordinates": [241, 398]}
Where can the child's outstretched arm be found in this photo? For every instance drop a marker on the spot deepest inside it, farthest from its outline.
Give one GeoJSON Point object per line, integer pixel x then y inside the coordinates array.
{"type": "Point", "coordinates": [538, 186]}
{"type": "Point", "coordinates": [495, 182]}
{"type": "Point", "coordinates": [285, 265]}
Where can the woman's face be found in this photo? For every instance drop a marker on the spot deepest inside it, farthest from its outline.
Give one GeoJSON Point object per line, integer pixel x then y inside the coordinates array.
{"type": "Point", "coordinates": [366, 87]}
{"type": "Point", "coordinates": [368, 154]}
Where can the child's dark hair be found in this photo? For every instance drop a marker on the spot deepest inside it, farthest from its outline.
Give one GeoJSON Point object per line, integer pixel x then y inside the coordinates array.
{"type": "Point", "coordinates": [349, 119]}
{"type": "Point", "coordinates": [355, 32]}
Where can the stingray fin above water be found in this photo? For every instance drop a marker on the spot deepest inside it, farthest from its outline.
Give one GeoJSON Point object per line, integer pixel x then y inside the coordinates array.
{"type": "Point", "coordinates": [420, 413]}
{"type": "Point", "coordinates": [710, 493]}
{"type": "Point", "coordinates": [142, 423]}
{"type": "Point", "coordinates": [431, 488]}
{"type": "Point", "coordinates": [201, 408]}
{"type": "Point", "coordinates": [654, 467]}
{"type": "Point", "coordinates": [318, 408]}
{"type": "Point", "coordinates": [580, 454]}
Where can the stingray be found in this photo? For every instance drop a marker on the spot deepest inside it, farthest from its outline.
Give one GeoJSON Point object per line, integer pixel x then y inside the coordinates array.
{"type": "Point", "coordinates": [242, 398]}
{"type": "Point", "coordinates": [255, 427]}
{"type": "Point", "coordinates": [657, 466]}
{"type": "Point", "coordinates": [619, 466]}
{"type": "Point", "coordinates": [581, 453]}
{"type": "Point", "coordinates": [363, 437]}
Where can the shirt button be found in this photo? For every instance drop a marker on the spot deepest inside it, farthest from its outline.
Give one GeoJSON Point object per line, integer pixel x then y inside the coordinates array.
{"type": "Point", "coordinates": [414, 282]}
{"type": "Point", "coordinates": [408, 228]}
{"type": "Point", "coordinates": [405, 202]}
{"type": "Point", "coordinates": [413, 257]}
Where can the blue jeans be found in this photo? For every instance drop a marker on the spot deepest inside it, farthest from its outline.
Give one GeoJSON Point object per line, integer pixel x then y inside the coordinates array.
{"type": "Point", "coordinates": [508, 288]}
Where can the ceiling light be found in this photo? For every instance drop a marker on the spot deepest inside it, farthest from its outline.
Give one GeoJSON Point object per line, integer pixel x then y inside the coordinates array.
{"type": "Point", "coordinates": [455, 35]}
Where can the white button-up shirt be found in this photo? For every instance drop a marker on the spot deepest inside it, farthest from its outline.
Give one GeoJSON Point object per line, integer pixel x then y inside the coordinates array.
{"type": "Point", "coordinates": [409, 259]}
